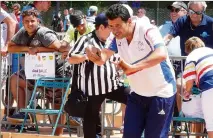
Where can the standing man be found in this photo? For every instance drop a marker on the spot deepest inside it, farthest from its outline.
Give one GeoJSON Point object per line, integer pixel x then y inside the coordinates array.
{"type": "Point", "coordinates": [97, 82]}
{"type": "Point", "coordinates": [79, 27]}
{"type": "Point", "coordinates": [148, 69]}
{"type": "Point", "coordinates": [177, 9]}
{"type": "Point", "coordinates": [16, 11]}
{"type": "Point", "coordinates": [142, 14]}
{"type": "Point", "coordinates": [66, 22]}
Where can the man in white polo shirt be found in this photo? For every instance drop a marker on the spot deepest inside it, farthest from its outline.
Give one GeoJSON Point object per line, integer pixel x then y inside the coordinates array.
{"type": "Point", "coordinates": [149, 71]}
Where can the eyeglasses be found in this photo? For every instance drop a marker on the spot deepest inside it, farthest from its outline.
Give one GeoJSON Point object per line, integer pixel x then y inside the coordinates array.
{"type": "Point", "coordinates": [174, 10]}
{"type": "Point", "coordinates": [195, 12]}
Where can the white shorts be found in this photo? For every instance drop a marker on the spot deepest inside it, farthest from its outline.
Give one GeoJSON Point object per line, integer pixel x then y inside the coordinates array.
{"type": "Point", "coordinates": [207, 106]}
{"type": "Point", "coordinates": [193, 108]}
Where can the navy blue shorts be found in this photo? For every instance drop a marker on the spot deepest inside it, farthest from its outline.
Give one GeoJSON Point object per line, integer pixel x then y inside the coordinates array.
{"type": "Point", "coordinates": [152, 115]}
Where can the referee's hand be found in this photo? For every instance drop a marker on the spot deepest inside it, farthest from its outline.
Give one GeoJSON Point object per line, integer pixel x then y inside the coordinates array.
{"type": "Point", "coordinates": [93, 53]}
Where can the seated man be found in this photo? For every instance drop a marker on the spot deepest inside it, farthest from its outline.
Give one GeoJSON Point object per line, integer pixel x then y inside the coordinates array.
{"type": "Point", "coordinates": [31, 39]}
{"type": "Point", "coordinates": [198, 69]}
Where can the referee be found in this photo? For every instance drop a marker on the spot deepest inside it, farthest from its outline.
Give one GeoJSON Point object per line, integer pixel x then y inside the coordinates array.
{"type": "Point", "coordinates": [97, 82]}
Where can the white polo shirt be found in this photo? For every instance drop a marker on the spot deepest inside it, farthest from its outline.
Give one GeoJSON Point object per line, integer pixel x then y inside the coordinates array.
{"type": "Point", "coordinates": [158, 80]}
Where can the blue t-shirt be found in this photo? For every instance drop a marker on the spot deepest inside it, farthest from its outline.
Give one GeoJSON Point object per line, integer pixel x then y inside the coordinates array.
{"type": "Point", "coordinates": [183, 28]}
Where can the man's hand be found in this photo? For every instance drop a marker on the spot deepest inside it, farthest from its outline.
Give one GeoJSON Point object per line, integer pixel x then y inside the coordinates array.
{"type": "Point", "coordinates": [131, 70]}
{"type": "Point", "coordinates": [187, 94]}
{"type": "Point", "coordinates": [33, 51]}
{"type": "Point", "coordinates": [4, 51]}
{"type": "Point", "coordinates": [93, 53]}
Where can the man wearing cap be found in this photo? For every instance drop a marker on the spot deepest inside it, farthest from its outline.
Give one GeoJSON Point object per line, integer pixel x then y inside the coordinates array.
{"type": "Point", "coordinates": [79, 27]}
{"type": "Point", "coordinates": [177, 9]}
{"type": "Point", "coordinates": [97, 82]}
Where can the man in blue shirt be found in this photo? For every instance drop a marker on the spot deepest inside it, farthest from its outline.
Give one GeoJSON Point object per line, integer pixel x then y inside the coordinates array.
{"type": "Point", "coordinates": [196, 23]}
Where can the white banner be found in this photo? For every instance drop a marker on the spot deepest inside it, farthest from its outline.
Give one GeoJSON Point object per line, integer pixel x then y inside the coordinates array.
{"type": "Point", "coordinates": [40, 65]}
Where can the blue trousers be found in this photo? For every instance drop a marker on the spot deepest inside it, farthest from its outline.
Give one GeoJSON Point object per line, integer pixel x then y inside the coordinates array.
{"type": "Point", "coordinates": [152, 115]}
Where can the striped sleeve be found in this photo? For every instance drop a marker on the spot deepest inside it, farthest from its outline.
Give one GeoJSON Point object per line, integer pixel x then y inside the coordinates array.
{"type": "Point", "coordinates": [189, 71]}
{"type": "Point", "coordinates": [78, 47]}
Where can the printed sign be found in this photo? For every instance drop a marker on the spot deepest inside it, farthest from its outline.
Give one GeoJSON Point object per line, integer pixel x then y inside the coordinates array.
{"type": "Point", "coordinates": [40, 65]}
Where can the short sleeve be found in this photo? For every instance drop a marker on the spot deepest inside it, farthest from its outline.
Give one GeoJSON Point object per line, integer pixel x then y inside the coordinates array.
{"type": "Point", "coordinates": [175, 29]}
{"type": "Point", "coordinates": [18, 36]}
{"type": "Point", "coordinates": [69, 36]}
{"type": "Point", "coordinates": [111, 43]}
{"type": "Point", "coordinates": [48, 38]}
{"type": "Point", "coordinates": [189, 70]}
{"type": "Point", "coordinates": [154, 38]}
{"type": "Point", "coordinates": [3, 15]}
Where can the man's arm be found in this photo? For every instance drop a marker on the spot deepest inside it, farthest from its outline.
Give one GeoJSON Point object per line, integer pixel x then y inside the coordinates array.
{"type": "Point", "coordinates": [11, 27]}
{"type": "Point", "coordinates": [98, 56]}
{"type": "Point", "coordinates": [155, 58]}
{"type": "Point", "coordinates": [77, 58]}
{"type": "Point", "coordinates": [168, 38]}
{"type": "Point", "coordinates": [14, 48]}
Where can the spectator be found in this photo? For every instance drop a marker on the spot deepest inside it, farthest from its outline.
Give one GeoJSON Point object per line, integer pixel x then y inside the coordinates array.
{"type": "Point", "coordinates": [98, 86]}
{"type": "Point", "coordinates": [177, 9]}
{"type": "Point", "coordinates": [153, 22]}
{"type": "Point", "coordinates": [66, 20]}
{"type": "Point", "coordinates": [44, 40]}
{"type": "Point", "coordinates": [16, 11]}
{"type": "Point", "coordinates": [57, 23]}
{"type": "Point", "coordinates": [93, 11]}
{"type": "Point", "coordinates": [142, 14]}
{"type": "Point", "coordinates": [71, 10]}
{"type": "Point", "coordinates": [198, 69]}
{"type": "Point", "coordinates": [79, 26]}
{"type": "Point", "coordinates": [151, 103]}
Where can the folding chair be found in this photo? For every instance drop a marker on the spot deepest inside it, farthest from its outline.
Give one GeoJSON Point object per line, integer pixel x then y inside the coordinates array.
{"type": "Point", "coordinates": [187, 120]}
{"type": "Point", "coordinates": [47, 82]}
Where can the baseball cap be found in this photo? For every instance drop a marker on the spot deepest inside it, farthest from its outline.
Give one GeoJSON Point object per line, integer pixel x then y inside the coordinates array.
{"type": "Point", "coordinates": [101, 19]}
{"type": "Point", "coordinates": [178, 5]}
{"type": "Point", "coordinates": [93, 8]}
{"type": "Point", "coordinates": [77, 18]}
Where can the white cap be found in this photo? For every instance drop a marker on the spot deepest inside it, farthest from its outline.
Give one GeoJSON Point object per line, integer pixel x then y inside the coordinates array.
{"type": "Point", "coordinates": [93, 8]}
{"type": "Point", "coordinates": [129, 9]}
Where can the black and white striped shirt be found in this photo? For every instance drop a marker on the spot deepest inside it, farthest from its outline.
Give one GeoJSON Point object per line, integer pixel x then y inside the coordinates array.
{"type": "Point", "coordinates": [93, 79]}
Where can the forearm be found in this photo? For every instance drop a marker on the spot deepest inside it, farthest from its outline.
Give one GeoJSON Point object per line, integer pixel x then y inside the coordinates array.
{"type": "Point", "coordinates": [45, 49]}
{"type": "Point", "coordinates": [76, 59]}
{"type": "Point", "coordinates": [167, 39]}
{"type": "Point", "coordinates": [189, 85]}
{"type": "Point", "coordinates": [18, 49]}
{"type": "Point", "coordinates": [11, 31]}
{"type": "Point", "coordinates": [155, 58]}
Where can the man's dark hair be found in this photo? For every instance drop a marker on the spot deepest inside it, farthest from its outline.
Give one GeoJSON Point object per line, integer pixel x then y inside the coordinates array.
{"type": "Point", "coordinates": [30, 12]}
{"type": "Point", "coordinates": [116, 11]}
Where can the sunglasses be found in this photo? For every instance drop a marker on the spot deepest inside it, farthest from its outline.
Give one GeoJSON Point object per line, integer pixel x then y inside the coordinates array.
{"type": "Point", "coordinates": [174, 10]}
{"type": "Point", "coordinates": [195, 12]}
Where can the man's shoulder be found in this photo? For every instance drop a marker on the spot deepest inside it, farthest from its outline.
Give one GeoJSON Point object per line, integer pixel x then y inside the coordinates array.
{"type": "Point", "coordinates": [208, 19]}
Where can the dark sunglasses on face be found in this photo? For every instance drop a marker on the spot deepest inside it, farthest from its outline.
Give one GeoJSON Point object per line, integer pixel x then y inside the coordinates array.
{"type": "Point", "coordinates": [174, 10]}
{"type": "Point", "coordinates": [195, 12]}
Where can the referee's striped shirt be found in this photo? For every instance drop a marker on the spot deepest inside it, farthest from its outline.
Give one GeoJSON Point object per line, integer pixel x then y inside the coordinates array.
{"type": "Point", "coordinates": [93, 79]}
